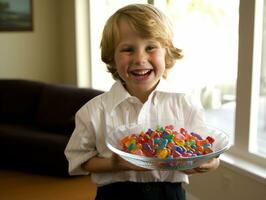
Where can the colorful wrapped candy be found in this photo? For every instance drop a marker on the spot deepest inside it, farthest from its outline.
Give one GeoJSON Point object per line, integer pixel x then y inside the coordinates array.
{"type": "Point", "coordinates": [167, 142]}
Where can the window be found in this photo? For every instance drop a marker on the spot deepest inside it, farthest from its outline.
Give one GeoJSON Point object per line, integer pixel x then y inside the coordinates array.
{"type": "Point", "coordinates": [207, 31]}
{"type": "Point", "coordinates": [219, 53]}
{"type": "Point", "coordinates": [258, 101]}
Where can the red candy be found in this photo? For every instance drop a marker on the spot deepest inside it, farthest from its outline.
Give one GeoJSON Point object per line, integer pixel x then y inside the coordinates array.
{"type": "Point", "coordinates": [167, 143]}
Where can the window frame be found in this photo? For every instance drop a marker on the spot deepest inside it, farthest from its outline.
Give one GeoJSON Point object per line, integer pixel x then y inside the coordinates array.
{"type": "Point", "coordinates": [249, 63]}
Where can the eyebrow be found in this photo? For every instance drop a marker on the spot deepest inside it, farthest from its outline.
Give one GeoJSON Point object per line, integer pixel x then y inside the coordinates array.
{"type": "Point", "coordinates": [128, 43]}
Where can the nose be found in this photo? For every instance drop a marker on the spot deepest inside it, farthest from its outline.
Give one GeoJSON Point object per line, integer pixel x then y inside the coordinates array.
{"type": "Point", "coordinates": [140, 57]}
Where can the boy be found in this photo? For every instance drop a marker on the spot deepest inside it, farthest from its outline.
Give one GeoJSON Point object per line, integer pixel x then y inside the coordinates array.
{"type": "Point", "coordinates": [138, 50]}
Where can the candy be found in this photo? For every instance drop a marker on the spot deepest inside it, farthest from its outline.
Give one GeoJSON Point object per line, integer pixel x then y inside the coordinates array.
{"type": "Point", "coordinates": [167, 142]}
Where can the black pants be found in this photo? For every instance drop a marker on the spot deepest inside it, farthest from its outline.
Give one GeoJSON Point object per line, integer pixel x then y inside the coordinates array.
{"type": "Point", "coordinates": [141, 191]}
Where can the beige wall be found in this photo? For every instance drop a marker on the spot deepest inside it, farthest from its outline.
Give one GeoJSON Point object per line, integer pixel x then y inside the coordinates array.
{"type": "Point", "coordinates": [48, 52]}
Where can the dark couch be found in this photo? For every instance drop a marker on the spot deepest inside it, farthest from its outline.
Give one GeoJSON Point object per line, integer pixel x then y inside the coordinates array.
{"type": "Point", "coordinates": [36, 121]}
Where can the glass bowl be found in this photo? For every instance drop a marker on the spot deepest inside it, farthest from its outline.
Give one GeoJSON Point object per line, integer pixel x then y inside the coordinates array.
{"type": "Point", "coordinates": [220, 145]}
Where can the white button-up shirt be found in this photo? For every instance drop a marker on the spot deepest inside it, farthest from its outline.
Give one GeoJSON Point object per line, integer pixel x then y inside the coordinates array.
{"type": "Point", "coordinates": [104, 113]}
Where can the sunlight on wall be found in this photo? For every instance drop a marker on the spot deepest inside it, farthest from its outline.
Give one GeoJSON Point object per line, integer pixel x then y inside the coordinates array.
{"type": "Point", "coordinates": [99, 12]}
{"type": "Point", "coordinates": [83, 43]}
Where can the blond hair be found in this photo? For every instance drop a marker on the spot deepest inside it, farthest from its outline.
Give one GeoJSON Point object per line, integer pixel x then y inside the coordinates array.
{"type": "Point", "coordinates": [145, 20]}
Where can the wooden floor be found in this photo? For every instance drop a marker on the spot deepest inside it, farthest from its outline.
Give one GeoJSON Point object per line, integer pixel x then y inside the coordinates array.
{"type": "Point", "coordinates": [24, 186]}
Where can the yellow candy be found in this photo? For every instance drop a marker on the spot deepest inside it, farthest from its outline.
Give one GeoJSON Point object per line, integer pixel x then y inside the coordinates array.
{"type": "Point", "coordinates": [163, 153]}
{"type": "Point", "coordinates": [179, 142]}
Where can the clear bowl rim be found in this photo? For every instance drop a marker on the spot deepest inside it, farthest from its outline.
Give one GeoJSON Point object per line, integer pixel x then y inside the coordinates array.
{"type": "Point", "coordinates": [145, 158]}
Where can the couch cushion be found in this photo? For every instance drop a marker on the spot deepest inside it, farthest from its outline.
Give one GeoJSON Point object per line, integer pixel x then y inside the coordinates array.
{"type": "Point", "coordinates": [29, 148]}
{"type": "Point", "coordinates": [58, 106]}
{"type": "Point", "coordinates": [18, 100]}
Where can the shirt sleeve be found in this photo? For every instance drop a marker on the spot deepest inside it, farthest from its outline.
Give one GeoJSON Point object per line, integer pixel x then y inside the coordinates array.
{"type": "Point", "coordinates": [81, 146]}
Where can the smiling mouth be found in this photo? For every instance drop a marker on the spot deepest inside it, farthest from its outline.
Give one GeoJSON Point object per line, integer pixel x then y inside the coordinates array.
{"type": "Point", "coordinates": [145, 72]}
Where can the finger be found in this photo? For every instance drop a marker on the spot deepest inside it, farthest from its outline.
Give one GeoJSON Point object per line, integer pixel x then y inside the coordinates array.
{"type": "Point", "coordinates": [189, 171]}
{"type": "Point", "coordinates": [201, 169]}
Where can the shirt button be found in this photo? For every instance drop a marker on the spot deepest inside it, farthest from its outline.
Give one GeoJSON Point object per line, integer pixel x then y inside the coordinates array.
{"type": "Point", "coordinates": [147, 188]}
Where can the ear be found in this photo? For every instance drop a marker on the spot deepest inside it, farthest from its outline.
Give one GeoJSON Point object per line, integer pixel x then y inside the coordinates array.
{"type": "Point", "coordinates": [165, 73]}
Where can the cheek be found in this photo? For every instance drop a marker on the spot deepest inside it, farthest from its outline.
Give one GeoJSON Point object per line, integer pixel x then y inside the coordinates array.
{"type": "Point", "coordinates": [159, 59]}
{"type": "Point", "coordinates": [121, 61]}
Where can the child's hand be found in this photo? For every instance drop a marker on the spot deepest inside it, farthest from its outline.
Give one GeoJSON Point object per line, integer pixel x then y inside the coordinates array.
{"type": "Point", "coordinates": [205, 167]}
{"type": "Point", "coordinates": [120, 164]}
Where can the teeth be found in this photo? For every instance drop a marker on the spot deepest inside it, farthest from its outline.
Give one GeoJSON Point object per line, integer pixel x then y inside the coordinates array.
{"type": "Point", "coordinates": [141, 72]}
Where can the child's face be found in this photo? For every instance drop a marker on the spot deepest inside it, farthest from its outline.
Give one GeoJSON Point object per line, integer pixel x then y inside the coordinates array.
{"type": "Point", "coordinates": [140, 62]}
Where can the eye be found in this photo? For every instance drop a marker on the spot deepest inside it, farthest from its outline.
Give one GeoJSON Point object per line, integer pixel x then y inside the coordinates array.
{"type": "Point", "coordinates": [127, 49]}
{"type": "Point", "coordinates": [150, 48]}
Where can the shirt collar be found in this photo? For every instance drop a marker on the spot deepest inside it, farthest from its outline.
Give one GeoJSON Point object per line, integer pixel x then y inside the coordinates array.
{"type": "Point", "coordinates": [164, 86]}
{"type": "Point", "coordinates": [118, 93]}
